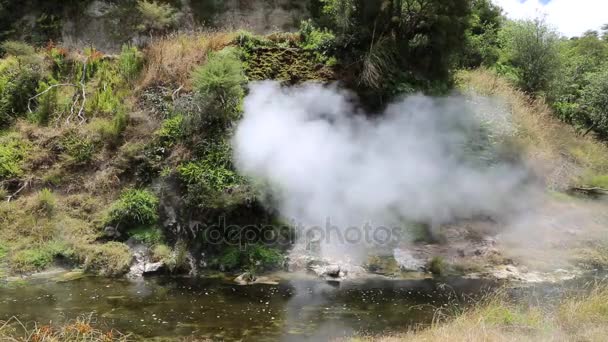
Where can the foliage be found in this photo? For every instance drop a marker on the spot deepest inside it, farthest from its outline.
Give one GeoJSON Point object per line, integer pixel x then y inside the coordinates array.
{"type": "Point", "coordinates": [46, 202]}
{"type": "Point", "coordinates": [12, 153]}
{"type": "Point", "coordinates": [78, 148]}
{"type": "Point", "coordinates": [134, 208]}
{"type": "Point", "coordinates": [437, 266]}
{"type": "Point", "coordinates": [17, 48]}
{"type": "Point", "coordinates": [255, 258]}
{"type": "Point", "coordinates": [210, 177]}
{"type": "Point", "coordinates": [155, 16]}
{"type": "Point", "coordinates": [170, 131]}
{"type": "Point", "coordinates": [482, 47]}
{"type": "Point", "coordinates": [419, 38]}
{"type": "Point", "coordinates": [594, 101]}
{"type": "Point", "coordinates": [531, 48]}
{"type": "Point", "coordinates": [150, 235]}
{"type": "Point", "coordinates": [219, 87]}
{"type": "Point", "coordinates": [130, 62]}
{"type": "Point", "coordinates": [18, 82]}
{"type": "Point", "coordinates": [38, 258]}
{"type": "Point", "coordinates": [320, 41]}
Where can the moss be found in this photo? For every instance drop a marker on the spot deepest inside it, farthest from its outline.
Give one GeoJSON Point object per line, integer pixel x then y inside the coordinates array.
{"type": "Point", "coordinates": [283, 59]}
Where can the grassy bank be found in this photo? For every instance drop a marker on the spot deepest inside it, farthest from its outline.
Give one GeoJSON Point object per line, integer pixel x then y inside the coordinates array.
{"type": "Point", "coordinates": [576, 318]}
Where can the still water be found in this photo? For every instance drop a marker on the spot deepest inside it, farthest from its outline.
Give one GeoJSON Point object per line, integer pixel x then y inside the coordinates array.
{"type": "Point", "coordinates": [293, 310]}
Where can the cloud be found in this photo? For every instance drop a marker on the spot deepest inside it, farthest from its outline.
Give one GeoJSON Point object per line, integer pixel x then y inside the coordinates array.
{"type": "Point", "coordinates": [570, 17]}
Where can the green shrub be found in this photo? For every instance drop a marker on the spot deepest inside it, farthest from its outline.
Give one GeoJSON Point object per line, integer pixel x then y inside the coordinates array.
{"type": "Point", "coordinates": [130, 63]}
{"type": "Point", "coordinates": [45, 202]}
{"type": "Point", "coordinates": [80, 149]}
{"type": "Point", "coordinates": [134, 208]}
{"type": "Point", "coordinates": [320, 41]}
{"type": "Point", "coordinates": [594, 101]}
{"type": "Point", "coordinates": [18, 84]}
{"type": "Point", "coordinates": [156, 16]}
{"type": "Point", "coordinates": [531, 47]}
{"type": "Point", "coordinates": [437, 266]}
{"type": "Point", "coordinates": [12, 153]}
{"type": "Point", "coordinates": [171, 131]}
{"type": "Point", "coordinates": [262, 258]}
{"type": "Point", "coordinates": [149, 235]}
{"type": "Point", "coordinates": [219, 88]}
{"type": "Point", "coordinates": [163, 253]}
{"type": "Point", "coordinates": [17, 48]}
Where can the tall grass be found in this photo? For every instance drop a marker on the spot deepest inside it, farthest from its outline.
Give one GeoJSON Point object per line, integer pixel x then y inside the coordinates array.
{"type": "Point", "coordinates": [171, 59]}
{"type": "Point", "coordinates": [576, 318]}
{"type": "Point", "coordinates": [555, 150]}
{"type": "Point", "coordinates": [79, 330]}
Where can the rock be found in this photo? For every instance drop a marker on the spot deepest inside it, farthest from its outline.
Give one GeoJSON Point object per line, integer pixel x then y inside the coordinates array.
{"type": "Point", "coordinates": [142, 264]}
{"type": "Point", "coordinates": [111, 232]}
{"type": "Point", "coordinates": [407, 261]}
{"type": "Point", "coordinates": [246, 278]}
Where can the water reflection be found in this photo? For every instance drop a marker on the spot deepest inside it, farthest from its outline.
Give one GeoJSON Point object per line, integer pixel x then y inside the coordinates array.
{"type": "Point", "coordinates": [294, 310]}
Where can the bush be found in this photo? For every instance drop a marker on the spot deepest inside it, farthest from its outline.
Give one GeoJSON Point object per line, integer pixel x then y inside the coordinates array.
{"type": "Point", "coordinates": [321, 41]}
{"type": "Point", "coordinates": [531, 47]}
{"type": "Point", "coordinates": [219, 89]}
{"type": "Point", "coordinates": [156, 16]}
{"type": "Point", "coordinates": [594, 101]}
{"type": "Point", "coordinates": [171, 131]}
{"type": "Point", "coordinates": [45, 202]}
{"type": "Point", "coordinates": [149, 235]}
{"type": "Point", "coordinates": [130, 62]}
{"type": "Point", "coordinates": [79, 149]}
{"type": "Point", "coordinates": [437, 266]}
{"type": "Point", "coordinates": [18, 83]}
{"type": "Point", "coordinates": [12, 152]}
{"type": "Point", "coordinates": [134, 208]}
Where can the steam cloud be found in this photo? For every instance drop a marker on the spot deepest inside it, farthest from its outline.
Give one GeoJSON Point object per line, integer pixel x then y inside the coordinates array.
{"type": "Point", "coordinates": [423, 160]}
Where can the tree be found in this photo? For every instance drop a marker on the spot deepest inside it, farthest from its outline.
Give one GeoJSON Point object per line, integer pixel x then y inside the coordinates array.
{"type": "Point", "coordinates": [388, 38]}
{"type": "Point", "coordinates": [531, 47]}
{"type": "Point", "coordinates": [482, 46]}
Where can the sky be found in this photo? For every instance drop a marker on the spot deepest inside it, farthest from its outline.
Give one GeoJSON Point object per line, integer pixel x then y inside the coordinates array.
{"type": "Point", "coordinates": [570, 17]}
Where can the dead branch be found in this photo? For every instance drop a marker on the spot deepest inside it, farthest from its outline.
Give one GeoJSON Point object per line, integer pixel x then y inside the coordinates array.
{"type": "Point", "coordinates": [594, 191]}
{"type": "Point", "coordinates": [176, 93]}
{"type": "Point", "coordinates": [29, 101]}
{"type": "Point", "coordinates": [26, 183]}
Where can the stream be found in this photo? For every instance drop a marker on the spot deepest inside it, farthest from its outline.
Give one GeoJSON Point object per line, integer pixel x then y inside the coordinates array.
{"type": "Point", "coordinates": [299, 309]}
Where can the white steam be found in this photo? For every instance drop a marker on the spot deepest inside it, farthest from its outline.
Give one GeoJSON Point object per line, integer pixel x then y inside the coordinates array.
{"type": "Point", "coordinates": [422, 160]}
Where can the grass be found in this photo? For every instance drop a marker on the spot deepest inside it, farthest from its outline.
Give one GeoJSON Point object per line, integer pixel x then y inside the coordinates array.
{"type": "Point", "coordinates": [171, 59]}
{"type": "Point", "coordinates": [575, 318]}
{"type": "Point", "coordinates": [79, 330]}
{"type": "Point", "coordinates": [554, 149]}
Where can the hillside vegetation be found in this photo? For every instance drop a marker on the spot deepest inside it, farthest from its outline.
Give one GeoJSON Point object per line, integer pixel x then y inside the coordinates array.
{"type": "Point", "coordinates": [99, 149]}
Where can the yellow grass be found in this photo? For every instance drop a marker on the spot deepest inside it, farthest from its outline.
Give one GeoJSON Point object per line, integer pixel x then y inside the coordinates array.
{"type": "Point", "coordinates": [554, 149]}
{"type": "Point", "coordinates": [170, 60]}
{"type": "Point", "coordinates": [579, 318]}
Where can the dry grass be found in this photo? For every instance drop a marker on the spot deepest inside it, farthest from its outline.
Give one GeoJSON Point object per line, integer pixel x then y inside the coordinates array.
{"type": "Point", "coordinates": [79, 330]}
{"type": "Point", "coordinates": [578, 318]}
{"type": "Point", "coordinates": [554, 149]}
{"type": "Point", "coordinates": [171, 59]}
